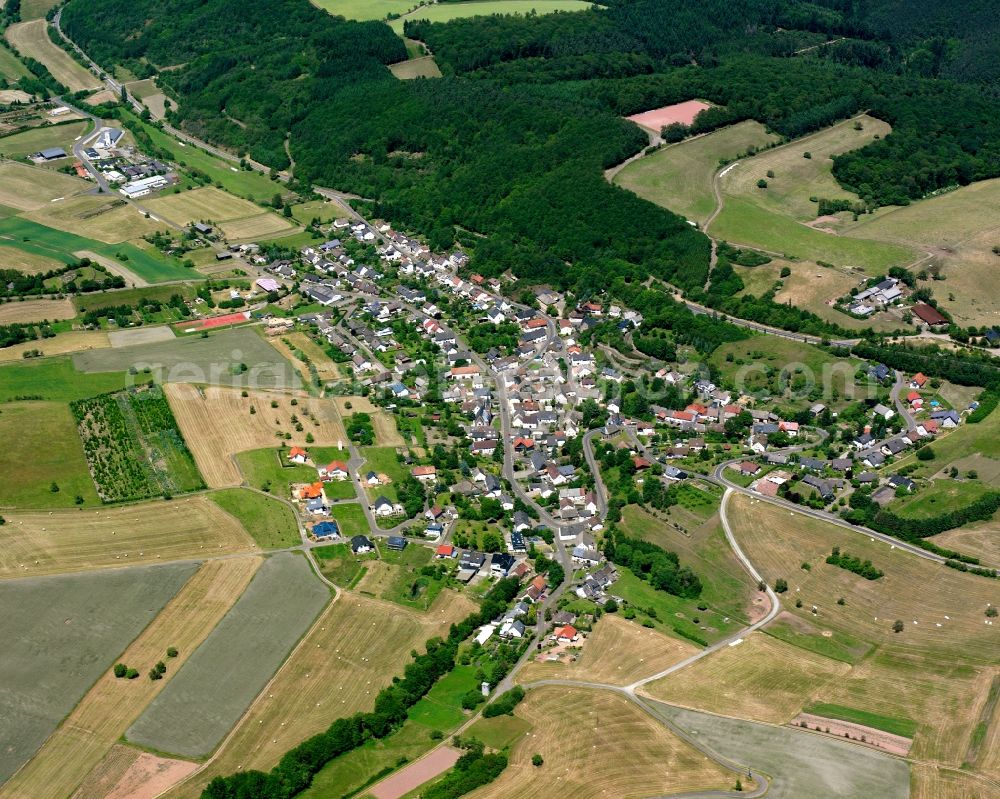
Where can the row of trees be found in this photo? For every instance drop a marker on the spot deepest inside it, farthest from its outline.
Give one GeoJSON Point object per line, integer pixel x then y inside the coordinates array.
{"type": "Point", "coordinates": [660, 567]}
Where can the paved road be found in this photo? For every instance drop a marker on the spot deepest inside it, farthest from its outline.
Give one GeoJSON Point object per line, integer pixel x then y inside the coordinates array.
{"type": "Point", "coordinates": [901, 407]}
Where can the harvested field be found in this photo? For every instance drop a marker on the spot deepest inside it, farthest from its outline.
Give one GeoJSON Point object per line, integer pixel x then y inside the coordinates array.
{"type": "Point", "coordinates": [352, 651]}
{"type": "Point", "coordinates": [425, 67]}
{"type": "Point", "coordinates": [14, 96]}
{"type": "Point", "coordinates": [99, 98]}
{"type": "Point", "coordinates": [141, 335]}
{"type": "Point", "coordinates": [63, 343]}
{"type": "Point", "coordinates": [217, 424]}
{"type": "Point", "coordinates": [930, 782]}
{"type": "Point", "coordinates": [679, 177]}
{"type": "Point", "coordinates": [50, 542]}
{"type": "Point", "coordinates": [658, 118]}
{"type": "Point", "coordinates": [63, 633]}
{"type": "Point", "coordinates": [582, 734]}
{"type": "Point", "coordinates": [255, 227]}
{"type": "Point", "coordinates": [110, 220]}
{"type": "Point", "coordinates": [207, 204]}
{"type": "Point", "coordinates": [799, 763]}
{"type": "Point", "coordinates": [27, 262]}
{"type": "Point", "coordinates": [416, 774]}
{"type": "Point", "coordinates": [88, 734]}
{"type": "Point", "coordinates": [204, 700]}
{"type": "Point", "coordinates": [27, 187]}
{"type": "Point", "coordinates": [617, 652]}
{"type": "Point", "coordinates": [32, 39]}
{"type": "Point", "coordinates": [300, 342]}
{"type": "Point", "coordinates": [212, 360]}
{"type": "Point", "coordinates": [761, 679]}
{"type": "Point", "coordinates": [36, 311]}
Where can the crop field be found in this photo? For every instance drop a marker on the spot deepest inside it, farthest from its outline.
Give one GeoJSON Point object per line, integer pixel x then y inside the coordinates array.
{"type": "Point", "coordinates": [424, 67]}
{"type": "Point", "coordinates": [958, 230]}
{"type": "Point", "coordinates": [133, 445]}
{"type": "Point", "coordinates": [27, 187]}
{"type": "Point", "coordinates": [799, 763]}
{"type": "Point", "coordinates": [36, 311]}
{"type": "Point", "coordinates": [617, 652]}
{"type": "Point", "coordinates": [94, 726]}
{"type": "Point", "coordinates": [256, 227]}
{"type": "Point", "coordinates": [36, 9]}
{"type": "Point", "coordinates": [41, 447]}
{"type": "Point", "coordinates": [66, 631]}
{"type": "Point", "coordinates": [23, 234]}
{"type": "Point", "coordinates": [761, 679]}
{"type": "Point", "coordinates": [47, 542]}
{"type": "Point", "coordinates": [213, 689]}
{"type": "Point", "coordinates": [937, 671]}
{"type": "Point", "coordinates": [207, 204]}
{"type": "Point", "coordinates": [98, 217]}
{"type": "Point", "coordinates": [32, 40]}
{"type": "Point", "coordinates": [214, 360]}
{"type": "Point", "coordinates": [478, 8]}
{"type": "Point", "coordinates": [270, 522]}
{"type": "Point", "coordinates": [218, 424]}
{"type": "Point", "coordinates": [351, 652]}
{"type": "Point", "coordinates": [60, 134]}
{"type": "Point", "coordinates": [582, 736]}
{"type": "Point", "coordinates": [53, 379]}
{"type": "Point", "coordinates": [679, 177]}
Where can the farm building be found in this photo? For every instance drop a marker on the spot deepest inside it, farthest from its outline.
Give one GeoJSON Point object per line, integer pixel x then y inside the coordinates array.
{"type": "Point", "coordinates": [928, 314]}
{"type": "Point", "coordinates": [143, 186]}
{"type": "Point", "coordinates": [50, 154]}
{"type": "Point", "coordinates": [425, 473]}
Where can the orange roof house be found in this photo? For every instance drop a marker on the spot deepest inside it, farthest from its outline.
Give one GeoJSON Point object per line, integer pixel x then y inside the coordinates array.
{"type": "Point", "coordinates": [566, 633]}
{"type": "Point", "coordinates": [312, 491]}
{"type": "Point", "coordinates": [918, 380]}
{"type": "Point", "coordinates": [297, 453]}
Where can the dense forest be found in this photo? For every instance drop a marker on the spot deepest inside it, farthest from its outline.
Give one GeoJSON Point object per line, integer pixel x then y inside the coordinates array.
{"type": "Point", "coordinates": [512, 141]}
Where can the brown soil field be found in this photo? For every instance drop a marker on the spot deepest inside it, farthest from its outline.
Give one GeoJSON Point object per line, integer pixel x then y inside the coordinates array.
{"type": "Point", "coordinates": [106, 96]}
{"type": "Point", "coordinates": [149, 776]}
{"type": "Point", "coordinates": [50, 542]}
{"type": "Point", "coordinates": [217, 423]}
{"type": "Point", "coordinates": [36, 311]}
{"type": "Point", "coordinates": [103, 715]}
{"type": "Point", "coordinates": [617, 652]}
{"type": "Point", "coordinates": [598, 745]}
{"type": "Point", "coordinates": [877, 739]}
{"type": "Point", "coordinates": [73, 341]}
{"type": "Point", "coordinates": [352, 651]}
{"type": "Point", "coordinates": [416, 774]}
{"type": "Point", "coordinates": [761, 679]}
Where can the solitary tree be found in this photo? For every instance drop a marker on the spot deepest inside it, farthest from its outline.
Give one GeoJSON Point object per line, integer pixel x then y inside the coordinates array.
{"type": "Point", "coordinates": [120, 670]}
{"type": "Point", "coordinates": [897, 626]}
{"type": "Point", "coordinates": [536, 759]}
{"type": "Point", "coordinates": [780, 585]}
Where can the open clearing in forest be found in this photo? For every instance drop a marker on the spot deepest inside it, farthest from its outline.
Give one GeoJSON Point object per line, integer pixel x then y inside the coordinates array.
{"type": "Point", "coordinates": [48, 542]}
{"type": "Point", "coordinates": [27, 187]}
{"type": "Point", "coordinates": [60, 634]}
{"type": "Point", "coordinates": [617, 652]}
{"type": "Point", "coordinates": [213, 689]}
{"type": "Point", "coordinates": [800, 764]}
{"type": "Point", "coordinates": [761, 679]}
{"type": "Point", "coordinates": [41, 446]}
{"type": "Point", "coordinates": [679, 177]}
{"type": "Point", "coordinates": [657, 118]}
{"type": "Point", "coordinates": [32, 40]}
{"type": "Point", "coordinates": [36, 311]}
{"type": "Point", "coordinates": [425, 67]}
{"type": "Point", "coordinates": [937, 671]}
{"type": "Point", "coordinates": [443, 12]}
{"type": "Point", "coordinates": [352, 651]}
{"type": "Point", "coordinates": [597, 744]}
{"type": "Point", "coordinates": [102, 716]}
{"type": "Point", "coordinates": [110, 220]}
{"type": "Point", "coordinates": [959, 229]}
{"type": "Point", "coordinates": [36, 9]}
{"type": "Point", "coordinates": [217, 424]}
{"type": "Point", "coordinates": [214, 360]}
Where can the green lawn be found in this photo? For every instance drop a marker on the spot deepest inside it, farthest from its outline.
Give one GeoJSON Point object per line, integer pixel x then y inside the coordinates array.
{"type": "Point", "coordinates": [270, 522]}
{"type": "Point", "coordinates": [267, 467]}
{"type": "Point", "coordinates": [32, 140]}
{"type": "Point", "coordinates": [441, 709]}
{"type": "Point", "coordinates": [35, 238]}
{"type": "Point", "coordinates": [982, 438]}
{"type": "Point", "coordinates": [351, 518]}
{"type": "Point", "coordinates": [411, 588]}
{"type": "Point", "coordinates": [442, 12]}
{"type": "Point", "coordinates": [251, 185]}
{"type": "Point", "coordinates": [680, 177]}
{"type": "Point", "coordinates": [41, 447]}
{"type": "Point", "coordinates": [499, 732]}
{"type": "Point", "coordinates": [942, 496]}
{"type": "Point", "coordinates": [84, 302]}
{"type": "Point", "coordinates": [11, 67]}
{"type": "Point", "coordinates": [55, 379]}
{"type": "Point", "coordinates": [838, 645]}
{"type": "Point", "coordinates": [342, 566]}
{"type": "Point", "coordinates": [383, 461]}
{"type": "Point", "coordinates": [897, 726]}
{"type": "Point", "coordinates": [743, 221]}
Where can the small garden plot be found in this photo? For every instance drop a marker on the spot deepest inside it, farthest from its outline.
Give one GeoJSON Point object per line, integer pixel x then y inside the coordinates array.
{"type": "Point", "coordinates": [133, 446]}
{"type": "Point", "coordinates": [213, 689]}
{"type": "Point", "coordinates": [60, 634]}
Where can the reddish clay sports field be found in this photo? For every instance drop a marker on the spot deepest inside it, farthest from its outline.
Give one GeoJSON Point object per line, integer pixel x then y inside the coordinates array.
{"type": "Point", "coordinates": [416, 774]}
{"type": "Point", "coordinates": [215, 321]}
{"type": "Point", "coordinates": [678, 112]}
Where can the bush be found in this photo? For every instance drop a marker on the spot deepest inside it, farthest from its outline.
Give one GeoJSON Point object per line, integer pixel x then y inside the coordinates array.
{"type": "Point", "coordinates": [131, 674]}
{"type": "Point", "coordinates": [780, 585]}
{"type": "Point", "coordinates": [897, 626]}
{"type": "Point", "coordinates": [472, 699]}
{"type": "Point", "coordinates": [171, 651]}
{"type": "Point", "coordinates": [537, 759]}
{"type": "Point", "coordinates": [926, 454]}
{"type": "Point", "coordinates": [504, 705]}
{"type": "Point", "coordinates": [120, 670]}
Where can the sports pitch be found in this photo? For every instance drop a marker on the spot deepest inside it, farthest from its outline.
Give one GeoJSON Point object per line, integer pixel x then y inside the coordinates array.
{"type": "Point", "coordinates": [215, 687]}
{"type": "Point", "coordinates": [65, 632]}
